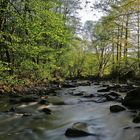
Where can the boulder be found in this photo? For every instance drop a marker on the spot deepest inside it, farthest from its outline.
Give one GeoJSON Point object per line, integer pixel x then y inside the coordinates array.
{"type": "Point", "coordinates": [104, 90]}
{"type": "Point", "coordinates": [127, 88]}
{"type": "Point", "coordinates": [100, 100]}
{"type": "Point", "coordinates": [12, 109]}
{"type": "Point", "coordinates": [78, 129]}
{"type": "Point", "coordinates": [28, 99]}
{"type": "Point", "coordinates": [51, 90]}
{"type": "Point", "coordinates": [44, 102]}
{"type": "Point", "coordinates": [75, 133]}
{"type": "Point", "coordinates": [116, 108]}
{"type": "Point", "coordinates": [84, 83]}
{"type": "Point", "coordinates": [46, 110]}
{"type": "Point", "coordinates": [105, 85]}
{"type": "Point", "coordinates": [110, 98]}
{"type": "Point", "coordinates": [78, 94]}
{"type": "Point", "coordinates": [89, 96]}
{"type": "Point", "coordinates": [114, 94]}
{"type": "Point", "coordinates": [14, 101]}
{"type": "Point", "coordinates": [26, 115]}
{"type": "Point", "coordinates": [69, 84]}
{"type": "Point", "coordinates": [115, 87]}
{"type": "Point", "coordinates": [132, 99]}
{"type": "Point", "coordinates": [136, 119]}
{"type": "Point", "coordinates": [56, 100]}
{"type": "Point", "coordinates": [14, 95]}
{"type": "Point", "coordinates": [96, 83]}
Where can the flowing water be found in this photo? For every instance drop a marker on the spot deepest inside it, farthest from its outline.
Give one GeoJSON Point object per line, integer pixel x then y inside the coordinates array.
{"type": "Point", "coordinates": [40, 126]}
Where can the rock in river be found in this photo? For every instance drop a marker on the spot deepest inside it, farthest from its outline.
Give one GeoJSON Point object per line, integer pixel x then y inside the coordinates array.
{"type": "Point", "coordinates": [44, 102]}
{"type": "Point", "coordinates": [69, 85]}
{"type": "Point", "coordinates": [78, 129]}
{"type": "Point", "coordinates": [46, 110]}
{"type": "Point", "coordinates": [132, 99]}
{"type": "Point", "coordinates": [137, 118]}
{"type": "Point", "coordinates": [116, 108]}
{"type": "Point", "coordinates": [113, 96]}
{"type": "Point", "coordinates": [104, 90]}
{"type": "Point", "coordinates": [14, 101]}
{"type": "Point", "coordinates": [28, 99]}
{"type": "Point", "coordinates": [27, 114]}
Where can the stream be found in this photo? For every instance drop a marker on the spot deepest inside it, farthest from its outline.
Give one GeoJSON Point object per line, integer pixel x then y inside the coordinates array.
{"type": "Point", "coordinates": [41, 126]}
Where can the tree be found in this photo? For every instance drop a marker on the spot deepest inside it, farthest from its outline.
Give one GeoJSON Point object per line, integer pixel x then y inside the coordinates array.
{"type": "Point", "coordinates": [32, 35]}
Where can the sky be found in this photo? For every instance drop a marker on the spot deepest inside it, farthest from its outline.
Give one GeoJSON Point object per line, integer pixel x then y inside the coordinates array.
{"type": "Point", "coordinates": [86, 13]}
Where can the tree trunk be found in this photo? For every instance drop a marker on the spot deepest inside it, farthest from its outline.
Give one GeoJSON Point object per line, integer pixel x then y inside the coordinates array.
{"type": "Point", "coordinates": [126, 40]}
{"type": "Point", "coordinates": [138, 32]}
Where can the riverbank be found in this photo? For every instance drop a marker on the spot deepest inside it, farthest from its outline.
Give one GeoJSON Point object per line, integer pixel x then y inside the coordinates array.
{"type": "Point", "coordinates": [42, 86]}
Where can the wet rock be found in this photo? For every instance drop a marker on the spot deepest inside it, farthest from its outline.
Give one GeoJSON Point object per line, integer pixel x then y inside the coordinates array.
{"type": "Point", "coordinates": [46, 110]}
{"type": "Point", "coordinates": [78, 94]}
{"type": "Point", "coordinates": [137, 127]}
{"type": "Point", "coordinates": [56, 100]}
{"type": "Point", "coordinates": [44, 97]}
{"type": "Point", "coordinates": [126, 88]}
{"type": "Point", "coordinates": [52, 90]}
{"type": "Point", "coordinates": [75, 83]}
{"type": "Point", "coordinates": [79, 129]}
{"type": "Point", "coordinates": [137, 118]}
{"type": "Point", "coordinates": [12, 95]}
{"type": "Point", "coordinates": [28, 99]}
{"type": "Point", "coordinates": [84, 83]}
{"type": "Point", "coordinates": [110, 98]}
{"type": "Point", "coordinates": [70, 93]}
{"type": "Point", "coordinates": [27, 114]}
{"type": "Point", "coordinates": [105, 85]}
{"type": "Point", "coordinates": [14, 101]}
{"type": "Point", "coordinates": [81, 93]}
{"type": "Point", "coordinates": [12, 109]}
{"type": "Point", "coordinates": [100, 100]}
{"type": "Point", "coordinates": [119, 99]}
{"type": "Point", "coordinates": [114, 94]}
{"type": "Point", "coordinates": [104, 90]}
{"type": "Point", "coordinates": [89, 96]}
{"type": "Point", "coordinates": [123, 90]}
{"type": "Point", "coordinates": [96, 83]}
{"type": "Point", "coordinates": [116, 108]}
{"type": "Point", "coordinates": [44, 102]}
{"type": "Point", "coordinates": [75, 133]}
{"type": "Point", "coordinates": [132, 99]}
{"type": "Point", "coordinates": [53, 94]}
{"type": "Point", "coordinates": [133, 111]}
{"type": "Point", "coordinates": [115, 87]}
{"type": "Point", "coordinates": [128, 127]}
{"type": "Point", "coordinates": [69, 84]}
{"type": "Point", "coordinates": [59, 103]}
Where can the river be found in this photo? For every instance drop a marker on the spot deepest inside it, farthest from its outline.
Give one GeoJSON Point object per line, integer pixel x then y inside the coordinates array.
{"type": "Point", "coordinates": [40, 126]}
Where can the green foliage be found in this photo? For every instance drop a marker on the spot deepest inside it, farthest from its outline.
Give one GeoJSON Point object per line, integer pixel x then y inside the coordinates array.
{"type": "Point", "coordinates": [32, 34]}
{"type": "Point", "coordinates": [38, 41]}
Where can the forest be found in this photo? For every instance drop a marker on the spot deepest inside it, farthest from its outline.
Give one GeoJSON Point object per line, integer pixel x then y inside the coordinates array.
{"type": "Point", "coordinates": [63, 78]}
{"type": "Point", "coordinates": [45, 41]}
